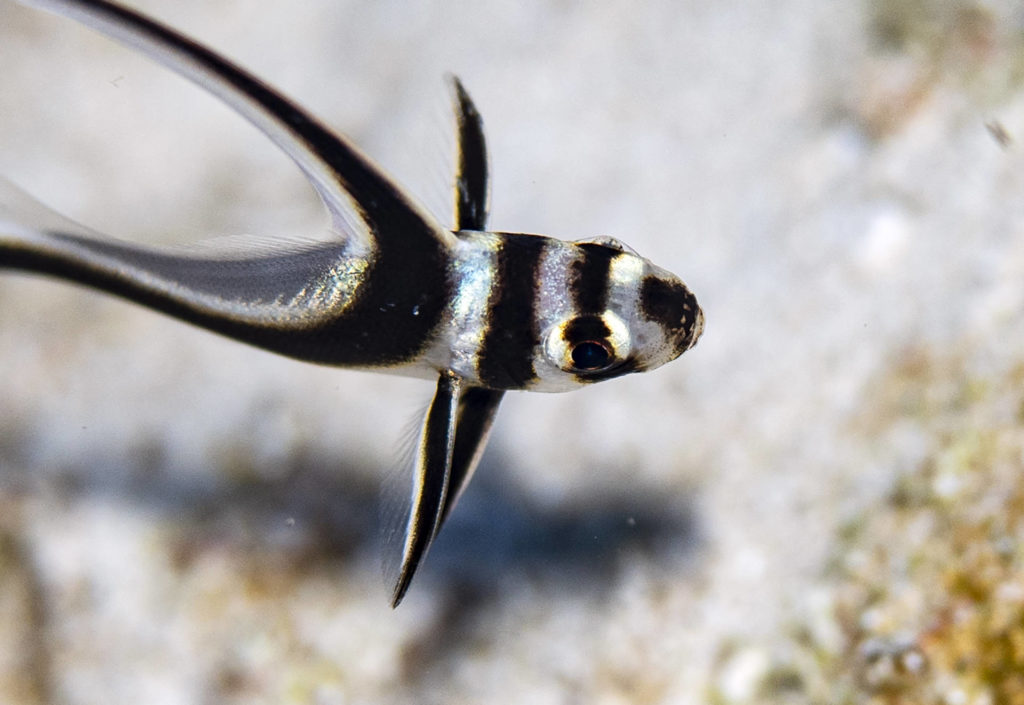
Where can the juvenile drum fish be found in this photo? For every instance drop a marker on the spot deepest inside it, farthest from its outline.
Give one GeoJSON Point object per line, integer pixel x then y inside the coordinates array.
{"type": "Point", "coordinates": [392, 290]}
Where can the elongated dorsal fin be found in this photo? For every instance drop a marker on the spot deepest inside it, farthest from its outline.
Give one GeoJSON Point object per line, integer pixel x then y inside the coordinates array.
{"type": "Point", "coordinates": [471, 178]}
{"type": "Point", "coordinates": [363, 202]}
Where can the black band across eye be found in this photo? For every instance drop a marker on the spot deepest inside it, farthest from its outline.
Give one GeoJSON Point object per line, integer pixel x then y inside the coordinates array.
{"type": "Point", "coordinates": [590, 355]}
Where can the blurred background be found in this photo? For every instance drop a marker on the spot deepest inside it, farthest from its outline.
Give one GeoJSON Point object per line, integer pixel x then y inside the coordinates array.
{"type": "Point", "coordinates": [822, 502]}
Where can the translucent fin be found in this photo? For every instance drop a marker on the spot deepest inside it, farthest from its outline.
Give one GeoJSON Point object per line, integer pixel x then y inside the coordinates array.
{"type": "Point", "coordinates": [248, 245]}
{"type": "Point", "coordinates": [254, 277]}
{"type": "Point", "coordinates": [395, 503]}
{"type": "Point", "coordinates": [22, 217]}
{"type": "Point", "coordinates": [352, 188]}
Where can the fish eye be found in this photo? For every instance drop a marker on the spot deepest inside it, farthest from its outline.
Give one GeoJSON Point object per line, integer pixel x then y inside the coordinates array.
{"type": "Point", "coordinates": [588, 346]}
{"type": "Point", "coordinates": [590, 355]}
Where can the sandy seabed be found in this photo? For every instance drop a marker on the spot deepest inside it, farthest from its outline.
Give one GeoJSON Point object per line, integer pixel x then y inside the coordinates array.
{"type": "Point", "coordinates": [822, 502]}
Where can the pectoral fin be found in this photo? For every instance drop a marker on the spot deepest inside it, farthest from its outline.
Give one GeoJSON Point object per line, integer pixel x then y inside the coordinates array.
{"type": "Point", "coordinates": [451, 443]}
{"type": "Point", "coordinates": [477, 409]}
{"type": "Point", "coordinates": [430, 479]}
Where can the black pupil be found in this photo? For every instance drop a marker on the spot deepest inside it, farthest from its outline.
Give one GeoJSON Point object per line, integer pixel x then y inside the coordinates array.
{"type": "Point", "coordinates": [589, 356]}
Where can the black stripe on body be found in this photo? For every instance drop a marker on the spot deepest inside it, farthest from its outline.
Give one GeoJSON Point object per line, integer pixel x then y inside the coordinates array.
{"type": "Point", "coordinates": [400, 304]}
{"type": "Point", "coordinates": [506, 353]}
{"type": "Point", "coordinates": [590, 277]}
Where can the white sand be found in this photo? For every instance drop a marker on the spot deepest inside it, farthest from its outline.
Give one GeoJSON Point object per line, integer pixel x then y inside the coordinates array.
{"type": "Point", "coordinates": [192, 518]}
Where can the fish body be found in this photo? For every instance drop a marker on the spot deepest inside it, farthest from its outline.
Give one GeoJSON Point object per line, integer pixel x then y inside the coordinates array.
{"type": "Point", "coordinates": [392, 290]}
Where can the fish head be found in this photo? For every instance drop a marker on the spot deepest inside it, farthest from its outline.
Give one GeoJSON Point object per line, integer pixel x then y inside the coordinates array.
{"type": "Point", "coordinates": [617, 314]}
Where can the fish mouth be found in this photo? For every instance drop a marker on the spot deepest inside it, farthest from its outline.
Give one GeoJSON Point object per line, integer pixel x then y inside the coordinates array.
{"type": "Point", "coordinates": [698, 329]}
{"type": "Point", "coordinates": [687, 335]}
